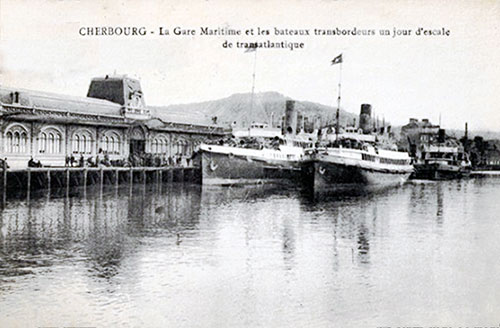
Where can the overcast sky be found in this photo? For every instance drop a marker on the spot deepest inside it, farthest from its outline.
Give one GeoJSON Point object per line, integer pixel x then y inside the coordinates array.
{"type": "Point", "coordinates": [407, 76]}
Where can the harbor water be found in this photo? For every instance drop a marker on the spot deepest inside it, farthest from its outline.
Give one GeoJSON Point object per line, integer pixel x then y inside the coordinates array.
{"type": "Point", "coordinates": [422, 255]}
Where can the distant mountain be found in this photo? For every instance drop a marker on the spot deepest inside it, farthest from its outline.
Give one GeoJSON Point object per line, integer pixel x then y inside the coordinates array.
{"type": "Point", "coordinates": [238, 108]}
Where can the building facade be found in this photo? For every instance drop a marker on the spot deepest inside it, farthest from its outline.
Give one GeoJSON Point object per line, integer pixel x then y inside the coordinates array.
{"type": "Point", "coordinates": [112, 122]}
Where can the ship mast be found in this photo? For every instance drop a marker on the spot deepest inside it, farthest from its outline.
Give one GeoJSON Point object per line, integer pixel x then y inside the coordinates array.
{"type": "Point", "coordinates": [254, 50]}
{"type": "Point", "coordinates": [337, 127]}
{"type": "Point", "coordinates": [253, 78]}
{"type": "Point", "coordinates": [338, 60]}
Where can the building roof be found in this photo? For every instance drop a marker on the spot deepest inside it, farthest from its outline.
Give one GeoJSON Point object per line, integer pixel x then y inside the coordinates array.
{"type": "Point", "coordinates": [119, 89]}
{"type": "Point", "coordinates": [46, 100]}
{"type": "Point", "coordinates": [33, 105]}
{"type": "Point", "coordinates": [160, 125]}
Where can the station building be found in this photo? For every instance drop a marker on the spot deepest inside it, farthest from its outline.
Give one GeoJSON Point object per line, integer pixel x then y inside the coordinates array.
{"type": "Point", "coordinates": [113, 121]}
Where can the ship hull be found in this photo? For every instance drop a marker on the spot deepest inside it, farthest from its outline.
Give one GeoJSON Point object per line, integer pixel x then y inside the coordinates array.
{"type": "Point", "coordinates": [335, 177]}
{"type": "Point", "coordinates": [438, 172]}
{"type": "Point", "coordinates": [227, 169]}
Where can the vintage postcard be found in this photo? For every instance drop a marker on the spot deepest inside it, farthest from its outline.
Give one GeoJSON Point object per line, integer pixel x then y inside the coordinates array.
{"type": "Point", "coordinates": [216, 163]}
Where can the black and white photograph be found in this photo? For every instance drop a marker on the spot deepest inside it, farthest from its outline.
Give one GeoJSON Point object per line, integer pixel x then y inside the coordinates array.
{"type": "Point", "coordinates": [217, 163]}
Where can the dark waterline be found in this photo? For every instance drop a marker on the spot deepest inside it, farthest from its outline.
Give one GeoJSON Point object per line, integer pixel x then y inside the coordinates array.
{"type": "Point", "coordinates": [183, 255]}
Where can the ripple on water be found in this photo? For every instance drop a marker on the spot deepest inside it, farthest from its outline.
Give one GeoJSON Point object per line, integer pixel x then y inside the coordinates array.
{"type": "Point", "coordinates": [252, 256]}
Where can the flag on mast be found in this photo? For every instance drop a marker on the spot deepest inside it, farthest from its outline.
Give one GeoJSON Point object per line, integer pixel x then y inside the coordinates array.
{"type": "Point", "coordinates": [337, 60]}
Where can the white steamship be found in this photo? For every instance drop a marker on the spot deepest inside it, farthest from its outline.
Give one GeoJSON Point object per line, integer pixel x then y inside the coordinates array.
{"type": "Point", "coordinates": [262, 154]}
{"type": "Point", "coordinates": [358, 159]}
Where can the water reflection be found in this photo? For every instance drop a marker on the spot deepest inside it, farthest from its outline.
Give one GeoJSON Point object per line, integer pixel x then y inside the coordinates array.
{"type": "Point", "coordinates": [363, 244]}
{"type": "Point", "coordinates": [157, 255]}
{"type": "Point", "coordinates": [288, 245]}
{"type": "Point", "coordinates": [440, 202]}
{"type": "Point", "coordinates": [98, 225]}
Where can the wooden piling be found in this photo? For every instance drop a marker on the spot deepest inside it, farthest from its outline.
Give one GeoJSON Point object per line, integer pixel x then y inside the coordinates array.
{"type": "Point", "coordinates": [85, 178]}
{"type": "Point", "coordinates": [67, 182]}
{"type": "Point", "coordinates": [131, 181]}
{"type": "Point", "coordinates": [48, 180]}
{"type": "Point", "coordinates": [59, 177]}
{"type": "Point", "coordinates": [4, 182]}
{"type": "Point", "coordinates": [160, 180]}
{"type": "Point", "coordinates": [28, 183]}
{"type": "Point", "coordinates": [170, 175]}
{"type": "Point", "coordinates": [67, 178]}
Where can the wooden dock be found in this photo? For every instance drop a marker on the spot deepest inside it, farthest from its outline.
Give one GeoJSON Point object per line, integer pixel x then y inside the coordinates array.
{"type": "Point", "coordinates": [30, 179]}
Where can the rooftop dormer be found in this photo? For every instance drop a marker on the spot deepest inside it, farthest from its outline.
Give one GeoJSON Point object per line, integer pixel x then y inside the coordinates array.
{"type": "Point", "coordinates": [122, 90]}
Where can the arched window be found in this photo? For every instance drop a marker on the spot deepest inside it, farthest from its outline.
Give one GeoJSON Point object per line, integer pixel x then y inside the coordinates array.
{"type": "Point", "coordinates": [178, 148]}
{"type": "Point", "coordinates": [16, 139]}
{"type": "Point", "coordinates": [105, 144]}
{"type": "Point", "coordinates": [15, 145]}
{"type": "Point", "coordinates": [83, 144]}
{"type": "Point", "coordinates": [51, 143]}
{"type": "Point", "coordinates": [42, 142]}
{"type": "Point", "coordinates": [87, 146]}
{"type": "Point", "coordinates": [110, 143]}
{"type": "Point", "coordinates": [165, 147]}
{"type": "Point", "coordinates": [116, 148]}
{"type": "Point", "coordinates": [160, 146]}
{"type": "Point", "coordinates": [154, 146]}
{"type": "Point", "coordinates": [9, 138]}
{"type": "Point", "coordinates": [57, 145]}
{"type": "Point", "coordinates": [76, 144]}
{"type": "Point", "coordinates": [111, 147]}
{"type": "Point", "coordinates": [24, 142]}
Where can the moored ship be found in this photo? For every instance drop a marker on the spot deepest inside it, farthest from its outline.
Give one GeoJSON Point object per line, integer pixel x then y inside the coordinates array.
{"type": "Point", "coordinates": [246, 164]}
{"type": "Point", "coordinates": [257, 157]}
{"type": "Point", "coordinates": [441, 158]}
{"type": "Point", "coordinates": [359, 161]}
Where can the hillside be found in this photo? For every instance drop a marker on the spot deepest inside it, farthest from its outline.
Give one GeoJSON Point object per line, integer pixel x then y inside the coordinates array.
{"type": "Point", "coordinates": [238, 108]}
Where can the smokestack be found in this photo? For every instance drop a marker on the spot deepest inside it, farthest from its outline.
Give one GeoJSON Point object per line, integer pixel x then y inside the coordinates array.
{"type": "Point", "coordinates": [15, 97]}
{"type": "Point", "coordinates": [300, 123]}
{"type": "Point", "coordinates": [365, 118]}
{"type": "Point", "coordinates": [441, 135]}
{"type": "Point", "coordinates": [466, 138]}
{"type": "Point", "coordinates": [290, 118]}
